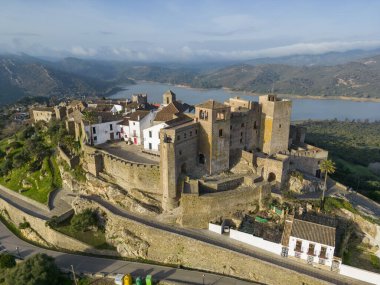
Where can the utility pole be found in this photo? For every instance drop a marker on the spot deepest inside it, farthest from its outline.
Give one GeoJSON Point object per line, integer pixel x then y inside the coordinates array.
{"type": "Point", "coordinates": [75, 279]}
{"type": "Point", "coordinates": [203, 278]}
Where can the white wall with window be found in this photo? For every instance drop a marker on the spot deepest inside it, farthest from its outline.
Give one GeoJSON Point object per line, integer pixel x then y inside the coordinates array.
{"type": "Point", "coordinates": [310, 251]}
{"type": "Point", "coordinates": [152, 137]}
{"type": "Point", "coordinates": [102, 132]}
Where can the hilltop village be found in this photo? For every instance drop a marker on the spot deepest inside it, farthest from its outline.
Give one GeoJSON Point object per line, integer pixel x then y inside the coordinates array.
{"type": "Point", "coordinates": [165, 178]}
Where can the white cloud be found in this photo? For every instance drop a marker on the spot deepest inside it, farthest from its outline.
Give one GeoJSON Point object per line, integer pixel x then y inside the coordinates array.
{"type": "Point", "coordinates": [82, 51]}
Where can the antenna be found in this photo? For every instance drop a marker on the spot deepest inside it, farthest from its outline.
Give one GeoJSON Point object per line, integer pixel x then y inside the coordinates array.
{"type": "Point", "coordinates": [272, 91]}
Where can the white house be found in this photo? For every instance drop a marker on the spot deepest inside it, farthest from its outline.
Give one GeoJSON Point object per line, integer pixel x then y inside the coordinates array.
{"type": "Point", "coordinates": [117, 108]}
{"type": "Point", "coordinates": [131, 128]}
{"type": "Point", "coordinates": [312, 242]}
{"type": "Point", "coordinates": [104, 129]}
{"type": "Point", "coordinates": [152, 136]}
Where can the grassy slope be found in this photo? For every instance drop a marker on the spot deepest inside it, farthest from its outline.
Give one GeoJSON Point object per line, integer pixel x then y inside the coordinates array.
{"type": "Point", "coordinates": [43, 181]}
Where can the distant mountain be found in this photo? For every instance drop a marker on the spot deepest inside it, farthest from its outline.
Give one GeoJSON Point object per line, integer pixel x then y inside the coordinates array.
{"type": "Point", "coordinates": [325, 59]}
{"type": "Point", "coordinates": [22, 76]}
{"type": "Point", "coordinates": [353, 79]}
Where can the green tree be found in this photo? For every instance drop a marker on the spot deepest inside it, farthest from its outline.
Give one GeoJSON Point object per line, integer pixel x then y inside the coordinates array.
{"type": "Point", "coordinates": [39, 269]}
{"type": "Point", "coordinates": [90, 118]}
{"type": "Point", "coordinates": [327, 167]}
{"type": "Point", "coordinates": [7, 261]}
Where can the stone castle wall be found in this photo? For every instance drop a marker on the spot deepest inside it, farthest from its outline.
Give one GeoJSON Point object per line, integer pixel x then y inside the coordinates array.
{"type": "Point", "coordinates": [126, 174]}
{"type": "Point", "coordinates": [198, 211]}
{"type": "Point", "coordinates": [134, 239]}
{"type": "Point", "coordinates": [133, 175]}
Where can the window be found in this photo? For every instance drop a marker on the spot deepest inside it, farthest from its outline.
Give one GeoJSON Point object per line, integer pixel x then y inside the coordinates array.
{"type": "Point", "coordinates": [242, 125]}
{"type": "Point", "coordinates": [180, 152]}
{"type": "Point", "coordinates": [150, 134]}
{"type": "Point", "coordinates": [134, 133]}
{"type": "Point", "coordinates": [111, 127]}
{"type": "Point", "coordinates": [311, 249]}
{"type": "Point", "coordinates": [230, 127]}
{"type": "Point", "coordinates": [220, 115]}
{"type": "Point", "coordinates": [203, 115]}
{"type": "Point", "coordinates": [241, 141]}
{"type": "Point", "coordinates": [298, 246]}
{"type": "Point", "coordinates": [323, 252]}
{"type": "Point", "coordinates": [221, 133]}
{"type": "Point", "coordinates": [196, 131]}
{"type": "Point", "coordinates": [178, 137]}
{"type": "Point", "coordinates": [279, 126]}
{"type": "Point", "coordinates": [191, 133]}
{"type": "Point", "coordinates": [95, 138]}
{"type": "Point", "coordinates": [150, 146]}
{"type": "Point", "coordinates": [241, 134]}
{"type": "Point", "coordinates": [93, 130]}
{"type": "Point", "coordinates": [184, 135]}
{"type": "Point", "coordinates": [255, 125]}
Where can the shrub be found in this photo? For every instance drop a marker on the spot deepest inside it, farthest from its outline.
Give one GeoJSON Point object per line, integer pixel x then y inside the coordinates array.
{"type": "Point", "coordinates": [7, 260]}
{"type": "Point", "coordinates": [5, 167]}
{"type": "Point", "coordinates": [24, 225]}
{"type": "Point", "coordinates": [83, 221]}
{"type": "Point", "coordinates": [52, 222]}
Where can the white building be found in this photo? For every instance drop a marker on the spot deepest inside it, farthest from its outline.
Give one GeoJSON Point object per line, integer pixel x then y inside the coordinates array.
{"type": "Point", "coordinates": [105, 129]}
{"type": "Point", "coordinates": [152, 137]}
{"type": "Point", "coordinates": [131, 128]}
{"type": "Point", "coordinates": [310, 241]}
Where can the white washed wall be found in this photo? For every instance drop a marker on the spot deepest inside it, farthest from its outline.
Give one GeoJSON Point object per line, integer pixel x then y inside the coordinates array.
{"type": "Point", "coordinates": [256, 241]}
{"type": "Point", "coordinates": [364, 275]}
{"type": "Point", "coordinates": [215, 228]}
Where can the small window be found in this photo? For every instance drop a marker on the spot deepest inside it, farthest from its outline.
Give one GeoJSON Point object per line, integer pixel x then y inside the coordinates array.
{"type": "Point", "coordinates": [178, 137]}
{"type": "Point", "coordinates": [133, 123]}
{"type": "Point", "coordinates": [93, 130]}
{"type": "Point", "coordinates": [241, 134]}
{"type": "Point", "coordinates": [111, 127]}
{"type": "Point", "coordinates": [230, 127]}
{"type": "Point", "coordinates": [184, 135]}
{"type": "Point", "coordinates": [95, 138]}
{"type": "Point", "coordinates": [150, 134]}
{"type": "Point", "coordinates": [241, 141]}
{"type": "Point", "coordinates": [221, 133]}
{"type": "Point", "coordinates": [255, 125]}
{"type": "Point", "coordinates": [191, 133]}
{"type": "Point", "coordinates": [279, 126]}
{"type": "Point", "coordinates": [150, 146]}
{"type": "Point", "coordinates": [242, 125]}
{"type": "Point", "coordinates": [180, 152]}
{"type": "Point", "coordinates": [196, 131]}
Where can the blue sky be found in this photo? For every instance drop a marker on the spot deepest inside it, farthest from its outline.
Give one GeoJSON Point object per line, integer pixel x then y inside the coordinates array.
{"type": "Point", "coordinates": [186, 30]}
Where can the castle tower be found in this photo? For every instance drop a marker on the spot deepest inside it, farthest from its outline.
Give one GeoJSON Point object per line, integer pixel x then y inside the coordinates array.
{"type": "Point", "coordinates": [169, 97]}
{"type": "Point", "coordinates": [214, 136]}
{"type": "Point", "coordinates": [275, 124]}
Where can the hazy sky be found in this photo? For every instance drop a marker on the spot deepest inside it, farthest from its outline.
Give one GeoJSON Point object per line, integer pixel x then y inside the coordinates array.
{"type": "Point", "coordinates": [186, 30]}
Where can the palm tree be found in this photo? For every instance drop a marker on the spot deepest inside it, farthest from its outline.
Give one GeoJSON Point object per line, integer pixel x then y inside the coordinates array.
{"type": "Point", "coordinates": [328, 167]}
{"type": "Point", "coordinates": [90, 117]}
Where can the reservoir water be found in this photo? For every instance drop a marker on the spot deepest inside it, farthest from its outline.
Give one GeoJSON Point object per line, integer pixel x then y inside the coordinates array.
{"type": "Point", "coordinates": [303, 109]}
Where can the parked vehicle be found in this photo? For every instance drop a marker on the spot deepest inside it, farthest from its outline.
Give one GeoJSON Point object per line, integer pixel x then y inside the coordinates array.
{"type": "Point", "coordinates": [148, 280]}
{"type": "Point", "coordinates": [139, 281]}
{"type": "Point", "coordinates": [127, 280]}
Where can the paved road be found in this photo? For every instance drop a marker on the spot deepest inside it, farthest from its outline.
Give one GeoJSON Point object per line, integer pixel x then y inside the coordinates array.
{"type": "Point", "coordinates": [236, 246]}
{"type": "Point", "coordinates": [89, 264]}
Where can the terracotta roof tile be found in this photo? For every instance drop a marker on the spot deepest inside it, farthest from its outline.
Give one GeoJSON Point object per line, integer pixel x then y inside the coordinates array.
{"type": "Point", "coordinates": [211, 104]}
{"type": "Point", "coordinates": [313, 232]}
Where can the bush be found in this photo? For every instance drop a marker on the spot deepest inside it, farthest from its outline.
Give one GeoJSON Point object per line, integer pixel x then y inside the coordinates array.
{"type": "Point", "coordinates": [7, 260]}
{"type": "Point", "coordinates": [20, 159]}
{"type": "Point", "coordinates": [39, 269]}
{"type": "Point", "coordinates": [52, 222]}
{"type": "Point", "coordinates": [83, 221]}
{"type": "Point", "coordinates": [5, 167]}
{"type": "Point", "coordinates": [24, 225]}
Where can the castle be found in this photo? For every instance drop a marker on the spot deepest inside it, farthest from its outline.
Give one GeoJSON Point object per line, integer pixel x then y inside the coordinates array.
{"type": "Point", "coordinates": [198, 148]}
{"type": "Point", "coordinates": [218, 135]}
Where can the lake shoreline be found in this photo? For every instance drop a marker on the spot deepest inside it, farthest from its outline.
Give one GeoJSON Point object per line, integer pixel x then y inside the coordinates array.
{"type": "Point", "coordinates": [254, 94]}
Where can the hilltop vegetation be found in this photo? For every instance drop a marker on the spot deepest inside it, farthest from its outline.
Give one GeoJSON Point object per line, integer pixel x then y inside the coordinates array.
{"type": "Point", "coordinates": [28, 163]}
{"type": "Point", "coordinates": [353, 145]}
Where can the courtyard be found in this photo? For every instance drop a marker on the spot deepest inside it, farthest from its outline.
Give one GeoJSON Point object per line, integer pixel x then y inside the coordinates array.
{"type": "Point", "coordinates": [133, 153]}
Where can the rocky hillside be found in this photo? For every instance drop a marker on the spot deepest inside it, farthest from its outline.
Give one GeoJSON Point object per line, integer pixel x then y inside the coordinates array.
{"type": "Point", "coordinates": [353, 79]}
{"type": "Point", "coordinates": [22, 76]}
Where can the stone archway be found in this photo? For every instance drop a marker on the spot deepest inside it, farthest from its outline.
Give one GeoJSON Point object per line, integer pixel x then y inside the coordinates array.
{"type": "Point", "coordinates": [271, 177]}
